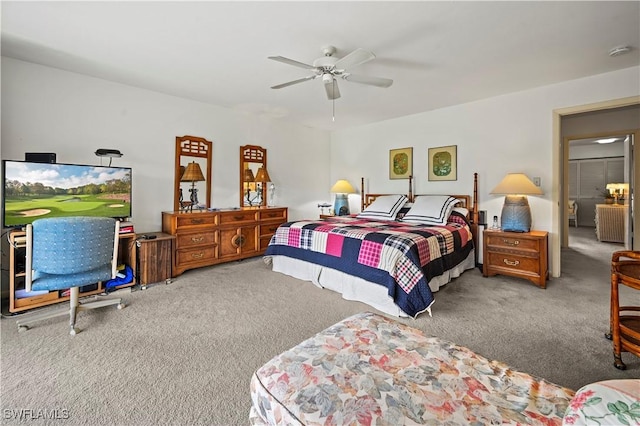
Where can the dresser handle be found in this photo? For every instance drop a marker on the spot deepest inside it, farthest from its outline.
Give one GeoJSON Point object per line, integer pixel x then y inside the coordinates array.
{"type": "Point", "coordinates": [197, 221]}
{"type": "Point", "coordinates": [238, 217]}
{"type": "Point", "coordinates": [238, 241]}
{"type": "Point", "coordinates": [197, 255]}
{"type": "Point", "coordinates": [511, 242]}
{"type": "Point", "coordinates": [511, 262]}
{"type": "Point", "coordinates": [197, 239]}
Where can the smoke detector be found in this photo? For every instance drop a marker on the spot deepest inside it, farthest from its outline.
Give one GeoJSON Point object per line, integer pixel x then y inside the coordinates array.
{"type": "Point", "coordinates": [620, 50]}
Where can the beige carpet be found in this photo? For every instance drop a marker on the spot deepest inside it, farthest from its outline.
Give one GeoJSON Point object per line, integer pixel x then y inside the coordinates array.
{"type": "Point", "coordinates": [183, 353]}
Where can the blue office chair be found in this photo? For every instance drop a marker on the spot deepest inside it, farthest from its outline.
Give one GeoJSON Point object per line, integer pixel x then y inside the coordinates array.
{"type": "Point", "coordinates": [68, 253]}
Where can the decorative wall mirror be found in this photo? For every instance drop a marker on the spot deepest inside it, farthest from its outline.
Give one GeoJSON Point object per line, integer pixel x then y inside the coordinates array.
{"type": "Point", "coordinates": [254, 177]}
{"type": "Point", "coordinates": [192, 183]}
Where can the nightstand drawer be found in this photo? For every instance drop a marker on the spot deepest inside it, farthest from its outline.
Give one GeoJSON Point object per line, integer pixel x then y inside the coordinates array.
{"type": "Point", "coordinates": [513, 262]}
{"type": "Point", "coordinates": [512, 242]}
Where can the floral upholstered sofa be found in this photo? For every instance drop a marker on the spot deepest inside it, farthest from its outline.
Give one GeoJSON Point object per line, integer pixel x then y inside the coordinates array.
{"type": "Point", "coordinates": [371, 370]}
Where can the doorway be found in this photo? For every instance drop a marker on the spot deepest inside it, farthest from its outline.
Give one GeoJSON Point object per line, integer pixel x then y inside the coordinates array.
{"type": "Point", "coordinates": [600, 181]}
{"type": "Point", "coordinates": [620, 116]}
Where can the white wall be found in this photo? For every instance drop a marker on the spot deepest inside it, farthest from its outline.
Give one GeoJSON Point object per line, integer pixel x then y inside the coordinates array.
{"type": "Point", "coordinates": [50, 110]}
{"type": "Point", "coordinates": [510, 133]}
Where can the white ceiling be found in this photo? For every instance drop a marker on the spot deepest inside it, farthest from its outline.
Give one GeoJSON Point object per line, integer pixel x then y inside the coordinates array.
{"type": "Point", "coordinates": [437, 53]}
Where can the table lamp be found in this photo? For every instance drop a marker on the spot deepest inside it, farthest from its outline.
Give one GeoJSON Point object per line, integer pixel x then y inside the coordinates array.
{"type": "Point", "coordinates": [193, 174]}
{"type": "Point", "coordinates": [263, 177]}
{"type": "Point", "coordinates": [617, 189]}
{"type": "Point", "coordinates": [516, 214]}
{"type": "Point", "coordinates": [341, 189]}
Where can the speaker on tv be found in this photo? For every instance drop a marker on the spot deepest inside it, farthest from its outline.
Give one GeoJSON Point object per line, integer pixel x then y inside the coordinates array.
{"type": "Point", "coordinates": [40, 157]}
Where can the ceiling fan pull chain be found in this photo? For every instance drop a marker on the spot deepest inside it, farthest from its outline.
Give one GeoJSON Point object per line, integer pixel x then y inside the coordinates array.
{"type": "Point", "coordinates": [333, 114]}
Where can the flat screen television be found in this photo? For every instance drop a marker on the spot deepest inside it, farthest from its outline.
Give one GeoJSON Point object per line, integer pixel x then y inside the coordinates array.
{"type": "Point", "coordinates": [35, 190]}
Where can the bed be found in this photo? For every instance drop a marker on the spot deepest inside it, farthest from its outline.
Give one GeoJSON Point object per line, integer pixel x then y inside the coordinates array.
{"type": "Point", "coordinates": [373, 257]}
{"type": "Point", "coordinates": [371, 370]}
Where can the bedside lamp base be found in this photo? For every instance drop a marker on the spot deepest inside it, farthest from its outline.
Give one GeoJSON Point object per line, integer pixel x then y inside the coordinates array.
{"type": "Point", "coordinates": [341, 206]}
{"type": "Point", "coordinates": [516, 214]}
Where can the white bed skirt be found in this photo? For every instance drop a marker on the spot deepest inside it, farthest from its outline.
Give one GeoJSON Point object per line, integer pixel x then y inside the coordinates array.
{"type": "Point", "coordinates": [354, 288]}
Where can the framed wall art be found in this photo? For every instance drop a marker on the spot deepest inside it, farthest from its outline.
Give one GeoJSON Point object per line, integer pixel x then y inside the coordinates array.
{"type": "Point", "coordinates": [400, 163]}
{"type": "Point", "coordinates": [443, 163]}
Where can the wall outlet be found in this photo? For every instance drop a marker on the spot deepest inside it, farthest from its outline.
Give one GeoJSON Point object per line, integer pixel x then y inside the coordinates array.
{"type": "Point", "coordinates": [536, 181]}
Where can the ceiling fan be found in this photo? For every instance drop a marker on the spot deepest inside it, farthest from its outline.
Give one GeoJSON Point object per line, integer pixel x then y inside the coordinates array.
{"type": "Point", "coordinates": [329, 68]}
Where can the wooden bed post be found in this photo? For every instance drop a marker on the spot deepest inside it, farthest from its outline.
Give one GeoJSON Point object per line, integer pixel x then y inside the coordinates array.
{"type": "Point", "coordinates": [475, 217]}
{"type": "Point", "coordinates": [475, 198]}
{"type": "Point", "coordinates": [410, 188]}
{"type": "Point", "coordinates": [362, 193]}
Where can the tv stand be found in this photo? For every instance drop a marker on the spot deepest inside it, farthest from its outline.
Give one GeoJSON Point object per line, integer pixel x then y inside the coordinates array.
{"type": "Point", "coordinates": [17, 246]}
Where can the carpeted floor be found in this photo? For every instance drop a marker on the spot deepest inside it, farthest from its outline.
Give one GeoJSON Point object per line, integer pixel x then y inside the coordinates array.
{"type": "Point", "coordinates": [184, 353]}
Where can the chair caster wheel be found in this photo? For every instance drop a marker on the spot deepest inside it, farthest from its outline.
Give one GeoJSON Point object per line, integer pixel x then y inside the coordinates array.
{"type": "Point", "coordinates": [120, 306]}
{"type": "Point", "coordinates": [22, 328]}
{"type": "Point", "coordinates": [73, 332]}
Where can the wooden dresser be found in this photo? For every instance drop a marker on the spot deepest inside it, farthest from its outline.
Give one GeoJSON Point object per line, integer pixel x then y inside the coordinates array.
{"type": "Point", "coordinates": [206, 238]}
{"type": "Point", "coordinates": [518, 254]}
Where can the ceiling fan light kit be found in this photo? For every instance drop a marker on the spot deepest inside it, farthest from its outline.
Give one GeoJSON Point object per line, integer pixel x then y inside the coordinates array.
{"type": "Point", "coordinates": [329, 68]}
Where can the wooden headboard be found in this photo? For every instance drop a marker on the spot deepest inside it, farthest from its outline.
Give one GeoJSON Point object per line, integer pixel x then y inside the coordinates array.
{"type": "Point", "coordinates": [467, 201]}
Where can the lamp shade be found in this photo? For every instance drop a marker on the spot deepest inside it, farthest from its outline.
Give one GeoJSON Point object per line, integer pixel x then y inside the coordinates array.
{"type": "Point", "coordinates": [343, 187]}
{"type": "Point", "coordinates": [262, 175]}
{"type": "Point", "coordinates": [193, 173]}
{"type": "Point", "coordinates": [516, 214]}
{"type": "Point", "coordinates": [248, 175]}
{"type": "Point", "coordinates": [516, 183]}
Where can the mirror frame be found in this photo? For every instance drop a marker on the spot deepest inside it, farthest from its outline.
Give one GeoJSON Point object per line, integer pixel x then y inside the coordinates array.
{"type": "Point", "coordinates": [191, 146]}
{"type": "Point", "coordinates": [257, 155]}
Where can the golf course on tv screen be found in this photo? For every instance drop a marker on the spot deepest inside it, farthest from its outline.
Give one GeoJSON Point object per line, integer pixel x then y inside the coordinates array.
{"type": "Point", "coordinates": [42, 190]}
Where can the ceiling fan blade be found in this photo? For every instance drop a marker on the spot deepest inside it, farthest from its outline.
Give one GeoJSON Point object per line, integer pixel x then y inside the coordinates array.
{"type": "Point", "coordinates": [357, 57]}
{"type": "Point", "coordinates": [292, 62]}
{"type": "Point", "coordinates": [371, 81]}
{"type": "Point", "coordinates": [332, 89]}
{"type": "Point", "coordinates": [289, 83]}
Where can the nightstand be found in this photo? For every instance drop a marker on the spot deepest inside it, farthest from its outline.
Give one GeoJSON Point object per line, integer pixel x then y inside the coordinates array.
{"type": "Point", "coordinates": [518, 254]}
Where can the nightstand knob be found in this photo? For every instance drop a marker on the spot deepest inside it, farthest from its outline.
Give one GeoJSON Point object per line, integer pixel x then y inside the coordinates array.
{"type": "Point", "coordinates": [511, 242]}
{"type": "Point", "coordinates": [511, 262]}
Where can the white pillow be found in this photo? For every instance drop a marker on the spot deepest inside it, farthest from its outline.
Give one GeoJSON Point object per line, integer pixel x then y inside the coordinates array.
{"type": "Point", "coordinates": [384, 207]}
{"type": "Point", "coordinates": [462, 210]}
{"type": "Point", "coordinates": [431, 209]}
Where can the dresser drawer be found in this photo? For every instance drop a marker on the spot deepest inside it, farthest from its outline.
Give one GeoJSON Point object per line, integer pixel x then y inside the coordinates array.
{"type": "Point", "coordinates": [191, 220]}
{"type": "Point", "coordinates": [237, 217]}
{"type": "Point", "coordinates": [268, 229]}
{"type": "Point", "coordinates": [204, 255]}
{"type": "Point", "coordinates": [514, 262]}
{"type": "Point", "coordinates": [191, 239]}
{"type": "Point", "coordinates": [513, 242]}
{"type": "Point", "coordinates": [273, 214]}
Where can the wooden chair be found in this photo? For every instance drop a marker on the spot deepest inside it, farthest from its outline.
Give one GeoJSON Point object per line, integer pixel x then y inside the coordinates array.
{"type": "Point", "coordinates": [624, 320]}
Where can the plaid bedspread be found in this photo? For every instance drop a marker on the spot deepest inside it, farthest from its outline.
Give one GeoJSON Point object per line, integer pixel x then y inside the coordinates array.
{"type": "Point", "coordinates": [409, 255]}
